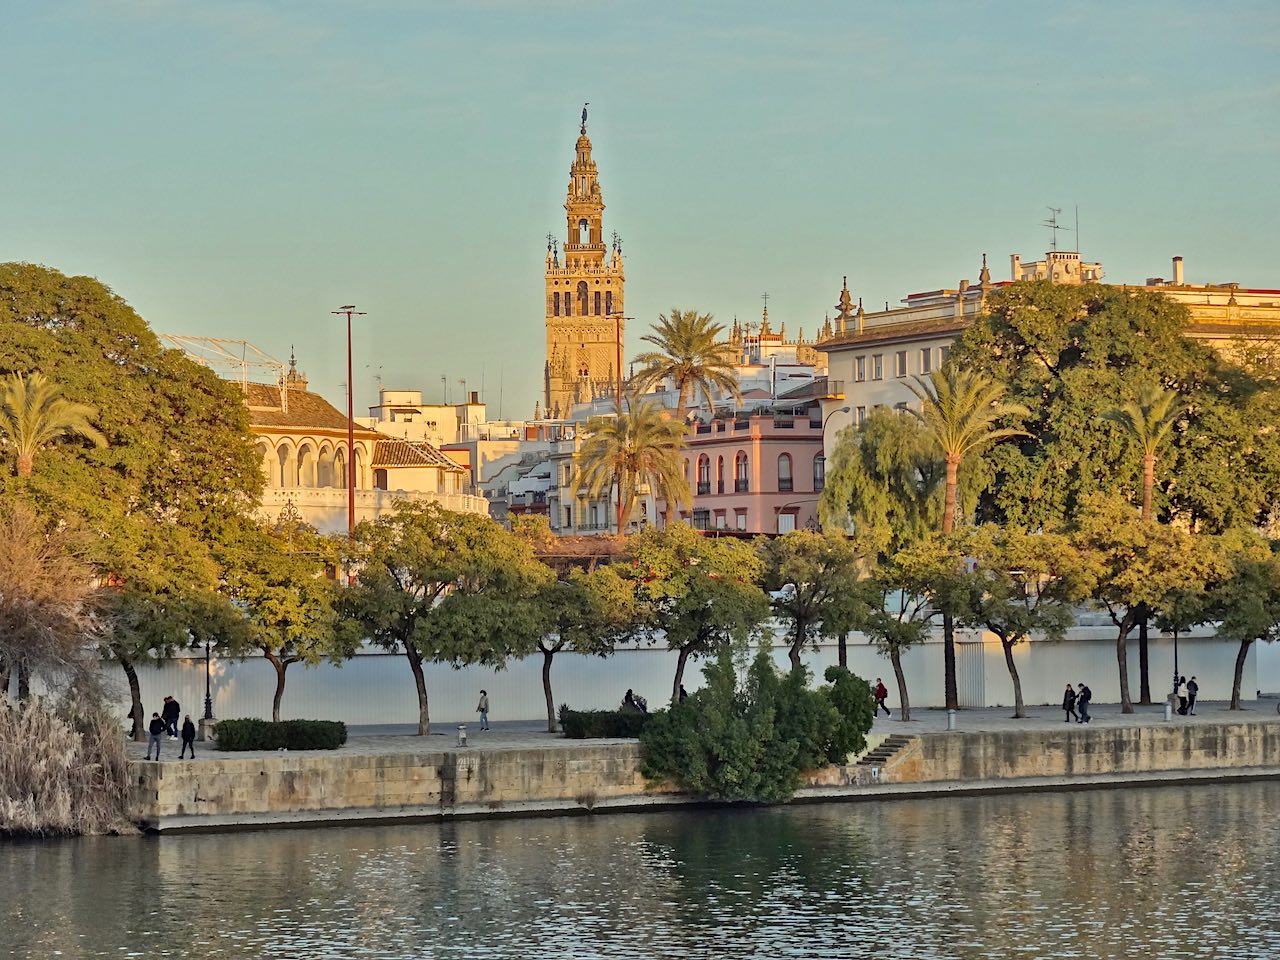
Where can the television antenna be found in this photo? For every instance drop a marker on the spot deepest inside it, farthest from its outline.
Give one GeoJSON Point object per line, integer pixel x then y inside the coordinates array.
{"type": "Point", "coordinates": [1053, 225]}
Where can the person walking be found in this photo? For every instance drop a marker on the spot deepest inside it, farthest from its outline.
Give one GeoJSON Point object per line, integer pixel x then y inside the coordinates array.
{"type": "Point", "coordinates": [1193, 691]}
{"type": "Point", "coordinates": [156, 729]}
{"type": "Point", "coordinates": [483, 709]}
{"type": "Point", "coordinates": [169, 713]}
{"type": "Point", "coordinates": [188, 738]}
{"type": "Point", "coordinates": [1069, 704]}
{"type": "Point", "coordinates": [1084, 696]}
{"type": "Point", "coordinates": [881, 694]}
{"type": "Point", "coordinates": [1181, 693]}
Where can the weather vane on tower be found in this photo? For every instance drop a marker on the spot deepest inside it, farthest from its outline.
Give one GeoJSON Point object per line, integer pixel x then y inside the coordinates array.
{"type": "Point", "coordinates": [584, 117]}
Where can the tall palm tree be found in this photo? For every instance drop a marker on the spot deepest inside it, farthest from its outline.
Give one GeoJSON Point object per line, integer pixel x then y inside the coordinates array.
{"type": "Point", "coordinates": [691, 356]}
{"type": "Point", "coordinates": [960, 409]}
{"type": "Point", "coordinates": [1148, 420]}
{"type": "Point", "coordinates": [639, 445]}
{"type": "Point", "coordinates": [33, 413]}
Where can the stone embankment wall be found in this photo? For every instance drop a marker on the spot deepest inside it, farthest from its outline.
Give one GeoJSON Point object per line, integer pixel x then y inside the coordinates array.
{"type": "Point", "coordinates": [347, 786]}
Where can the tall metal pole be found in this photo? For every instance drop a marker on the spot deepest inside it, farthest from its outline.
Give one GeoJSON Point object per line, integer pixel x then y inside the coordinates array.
{"type": "Point", "coordinates": [349, 310]}
{"type": "Point", "coordinates": [617, 396]}
{"type": "Point", "coordinates": [208, 690]}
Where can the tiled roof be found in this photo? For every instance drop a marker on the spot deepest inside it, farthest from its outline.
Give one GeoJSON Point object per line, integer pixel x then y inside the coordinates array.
{"type": "Point", "coordinates": [307, 411]}
{"type": "Point", "coordinates": [815, 389]}
{"type": "Point", "coordinates": [411, 453]}
{"type": "Point", "coordinates": [891, 332]}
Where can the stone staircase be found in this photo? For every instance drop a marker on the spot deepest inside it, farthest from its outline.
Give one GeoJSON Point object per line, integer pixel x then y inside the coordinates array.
{"type": "Point", "coordinates": [885, 751]}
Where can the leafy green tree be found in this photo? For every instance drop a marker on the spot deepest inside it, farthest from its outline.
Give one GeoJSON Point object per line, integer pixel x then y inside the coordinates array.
{"type": "Point", "coordinates": [1072, 355]}
{"type": "Point", "coordinates": [441, 587]}
{"type": "Point", "coordinates": [588, 613]}
{"type": "Point", "coordinates": [701, 593]}
{"type": "Point", "coordinates": [692, 356]}
{"type": "Point", "coordinates": [1246, 597]}
{"type": "Point", "coordinates": [179, 468]}
{"type": "Point", "coordinates": [280, 581]}
{"type": "Point", "coordinates": [638, 446]}
{"type": "Point", "coordinates": [815, 584]}
{"type": "Point", "coordinates": [1138, 564]}
{"type": "Point", "coordinates": [753, 740]}
{"type": "Point", "coordinates": [1022, 583]}
{"type": "Point", "coordinates": [33, 414]}
{"type": "Point", "coordinates": [961, 410]}
{"type": "Point", "coordinates": [1149, 421]}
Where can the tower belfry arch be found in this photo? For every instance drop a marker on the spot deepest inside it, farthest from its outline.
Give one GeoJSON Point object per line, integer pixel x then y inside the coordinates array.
{"type": "Point", "coordinates": [584, 292]}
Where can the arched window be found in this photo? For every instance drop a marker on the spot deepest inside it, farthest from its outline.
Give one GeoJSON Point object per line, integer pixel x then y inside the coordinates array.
{"type": "Point", "coordinates": [720, 475]}
{"type": "Point", "coordinates": [784, 473]}
{"type": "Point", "coordinates": [819, 473]}
{"type": "Point", "coordinates": [306, 467]}
{"type": "Point", "coordinates": [568, 304]}
{"type": "Point", "coordinates": [283, 455]}
{"type": "Point", "coordinates": [597, 303]}
{"type": "Point", "coordinates": [608, 302]}
{"type": "Point", "coordinates": [340, 468]}
{"type": "Point", "coordinates": [556, 300]}
{"type": "Point", "coordinates": [704, 475]}
{"type": "Point", "coordinates": [740, 484]}
{"type": "Point", "coordinates": [584, 232]}
{"type": "Point", "coordinates": [582, 298]}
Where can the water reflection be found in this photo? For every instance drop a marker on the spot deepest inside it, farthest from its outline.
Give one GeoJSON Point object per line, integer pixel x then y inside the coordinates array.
{"type": "Point", "coordinates": [1136, 873]}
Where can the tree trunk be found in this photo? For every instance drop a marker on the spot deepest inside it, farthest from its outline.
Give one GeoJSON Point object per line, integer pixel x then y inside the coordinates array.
{"type": "Point", "coordinates": [1019, 708]}
{"type": "Point", "coordinates": [4, 679]}
{"type": "Point", "coordinates": [949, 505]}
{"type": "Point", "coordinates": [546, 689]}
{"type": "Point", "coordinates": [904, 705]}
{"type": "Point", "coordinates": [1144, 677]}
{"type": "Point", "coordinates": [415, 664]}
{"type": "Point", "coordinates": [1122, 661]}
{"type": "Point", "coordinates": [1241, 656]}
{"type": "Point", "coordinates": [949, 660]}
{"type": "Point", "coordinates": [25, 462]}
{"type": "Point", "coordinates": [842, 650]}
{"type": "Point", "coordinates": [681, 660]}
{"type": "Point", "coordinates": [1148, 483]}
{"type": "Point", "coordinates": [139, 732]}
{"type": "Point", "coordinates": [281, 666]}
{"type": "Point", "coordinates": [797, 643]}
{"type": "Point", "coordinates": [24, 682]}
{"type": "Point", "coordinates": [620, 505]}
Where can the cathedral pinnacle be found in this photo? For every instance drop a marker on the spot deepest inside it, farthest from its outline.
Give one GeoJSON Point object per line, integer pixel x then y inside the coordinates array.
{"type": "Point", "coordinates": [984, 277]}
{"type": "Point", "coordinates": [844, 309]}
{"type": "Point", "coordinates": [583, 129]}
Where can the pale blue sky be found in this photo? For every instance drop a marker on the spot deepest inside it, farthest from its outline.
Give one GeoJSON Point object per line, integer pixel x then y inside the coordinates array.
{"type": "Point", "coordinates": [238, 169]}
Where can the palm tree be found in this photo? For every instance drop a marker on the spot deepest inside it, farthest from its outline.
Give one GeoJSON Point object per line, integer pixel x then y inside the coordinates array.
{"type": "Point", "coordinates": [1148, 421]}
{"type": "Point", "coordinates": [33, 413]}
{"type": "Point", "coordinates": [691, 356]}
{"type": "Point", "coordinates": [637, 446]}
{"type": "Point", "coordinates": [960, 410]}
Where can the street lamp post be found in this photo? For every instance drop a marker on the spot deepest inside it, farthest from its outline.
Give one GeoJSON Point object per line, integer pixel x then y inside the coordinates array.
{"type": "Point", "coordinates": [350, 311]}
{"type": "Point", "coordinates": [617, 398]}
{"type": "Point", "coordinates": [208, 686]}
{"type": "Point", "coordinates": [844, 409]}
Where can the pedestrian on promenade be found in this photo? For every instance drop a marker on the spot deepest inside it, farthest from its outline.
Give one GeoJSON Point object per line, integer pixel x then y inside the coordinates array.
{"type": "Point", "coordinates": [170, 713]}
{"type": "Point", "coordinates": [1193, 691]}
{"type": "Point", "coordinates": [1181, 694]}
{"type": "Point", "coordinates": [188, 738]}
{"type": "Point", "coordinates": [881, 695]}
{"type": "Point", "coordinates": [1084, 696]}
{"type": "Point", "coordinates": [156, 730]}
{"type": "Point", "coordinates": [483, 709]}
{"type": "Point", "coordinates": [1069, 704]}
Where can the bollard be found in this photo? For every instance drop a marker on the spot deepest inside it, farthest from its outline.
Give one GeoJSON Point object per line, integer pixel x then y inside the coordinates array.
{"type": "Point", "coordinates": [462, 734]}
{"type": "Point", "coordinates": [1168, 710]}
{"type": "Point", "coordinates": [951, 719]}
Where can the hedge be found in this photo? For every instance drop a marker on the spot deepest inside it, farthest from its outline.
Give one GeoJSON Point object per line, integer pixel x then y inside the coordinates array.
{"type": "Point", "coordinates": [286, 735]}
{"type": "Point", "coordinates": [589, 724]}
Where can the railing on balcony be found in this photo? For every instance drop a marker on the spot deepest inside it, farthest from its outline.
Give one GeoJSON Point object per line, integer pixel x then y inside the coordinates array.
{"type": "Point", "coordinates": [719, 486]}
{"type": "Point", "coordinates": [784, 485]}
{"type": "Point", "coordinates": [704, 428]}
{"type": "Point", "coordinates": [741, 486]}
{"type": "Point", "coordinates": [742, 424]}
{"type": "Point", "coordinates": [704, 487]}
{"type": "Point", "coordinates": [784, 423]}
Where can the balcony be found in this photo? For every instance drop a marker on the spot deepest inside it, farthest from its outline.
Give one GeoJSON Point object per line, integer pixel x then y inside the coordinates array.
{"type": "Point", "coordinates": [704, 487]}
{"type": "Point", "coordinates": [741, 485]}
{"type": "Point", "coordinates": [784, 485]}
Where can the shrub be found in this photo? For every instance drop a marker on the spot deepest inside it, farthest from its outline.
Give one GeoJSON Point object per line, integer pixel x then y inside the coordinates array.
{"type": "Point", "coordinates": [753, 741]}
{"type": "Point", "coordinates": [286, 734]}
{"type": "Point", "coordinates": [592, 724]}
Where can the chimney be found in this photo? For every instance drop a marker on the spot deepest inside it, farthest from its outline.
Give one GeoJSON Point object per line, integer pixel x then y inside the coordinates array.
{"type": "Point", "coordinates": [1177, 271]}
{"type": "Point", "coordinates": [1015, 266]}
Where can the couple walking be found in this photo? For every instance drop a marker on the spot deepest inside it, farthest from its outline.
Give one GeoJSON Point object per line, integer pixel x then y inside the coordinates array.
{"type": "Point", "coordinates": [166, 724]}
{"type": "Point", "coordinates": [1076, 703]}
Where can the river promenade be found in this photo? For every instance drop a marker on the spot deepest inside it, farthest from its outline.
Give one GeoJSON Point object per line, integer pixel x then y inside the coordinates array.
{"type": "Point", "coordinates": [517, 768]}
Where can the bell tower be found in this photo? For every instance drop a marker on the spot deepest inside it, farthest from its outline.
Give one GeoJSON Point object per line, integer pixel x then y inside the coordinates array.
{"type": "Point", "coordinates": [584, 289]}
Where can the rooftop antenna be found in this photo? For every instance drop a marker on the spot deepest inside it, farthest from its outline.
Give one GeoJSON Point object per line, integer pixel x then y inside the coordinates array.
{"type": "Point", "coordinates": [444, 386]}
{"type": "Point", "coordinates": [501, 371]}
{"type": "Point", "coordinates": [1077, 228]}
{"type": "Point", "coordinates": [1053, 225]}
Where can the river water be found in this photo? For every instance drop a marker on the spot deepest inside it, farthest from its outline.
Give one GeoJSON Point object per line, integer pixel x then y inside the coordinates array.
{"type": "Point", "coordinates": [1153, 873]}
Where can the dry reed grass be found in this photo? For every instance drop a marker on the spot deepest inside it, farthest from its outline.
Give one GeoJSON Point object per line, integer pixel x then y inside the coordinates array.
{"type": "Point", "coordinates": [63, 771]}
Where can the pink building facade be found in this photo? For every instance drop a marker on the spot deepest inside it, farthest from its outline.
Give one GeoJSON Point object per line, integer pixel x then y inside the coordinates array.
{"type": "Point", "coordinates": [755, 474]}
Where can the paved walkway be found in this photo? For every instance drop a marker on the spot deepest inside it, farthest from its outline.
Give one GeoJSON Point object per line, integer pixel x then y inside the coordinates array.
{"type": "Point", "coordinates": [400, 738]}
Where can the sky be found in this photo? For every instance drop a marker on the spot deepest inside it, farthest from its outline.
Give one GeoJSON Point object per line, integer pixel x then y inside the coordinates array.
{"type": "Point", "coordinates": [239, 169]}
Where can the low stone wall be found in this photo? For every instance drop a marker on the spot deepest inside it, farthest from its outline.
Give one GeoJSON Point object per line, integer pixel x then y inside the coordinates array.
{"type": "Point", "coordinates": [348, 786]}
{"type": "Point", "coordinates": [325, 786]}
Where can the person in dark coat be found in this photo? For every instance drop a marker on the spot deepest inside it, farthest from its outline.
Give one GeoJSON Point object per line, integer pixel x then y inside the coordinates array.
{"type": "Point", "coordinates": [188, 738]}
{"type": "Point", "coordinates": [1069, 704]}
{"type": "Point", "coordinates": [170, 713]}
{"type": "Point", "coordinates": [1193, 691]}
{"type": "Point", "coordinates": [156, 731]}
{"type": "Point", "coordinates": [1083, 698]}
{"type": "Point", "coordinates": [881, 693]}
